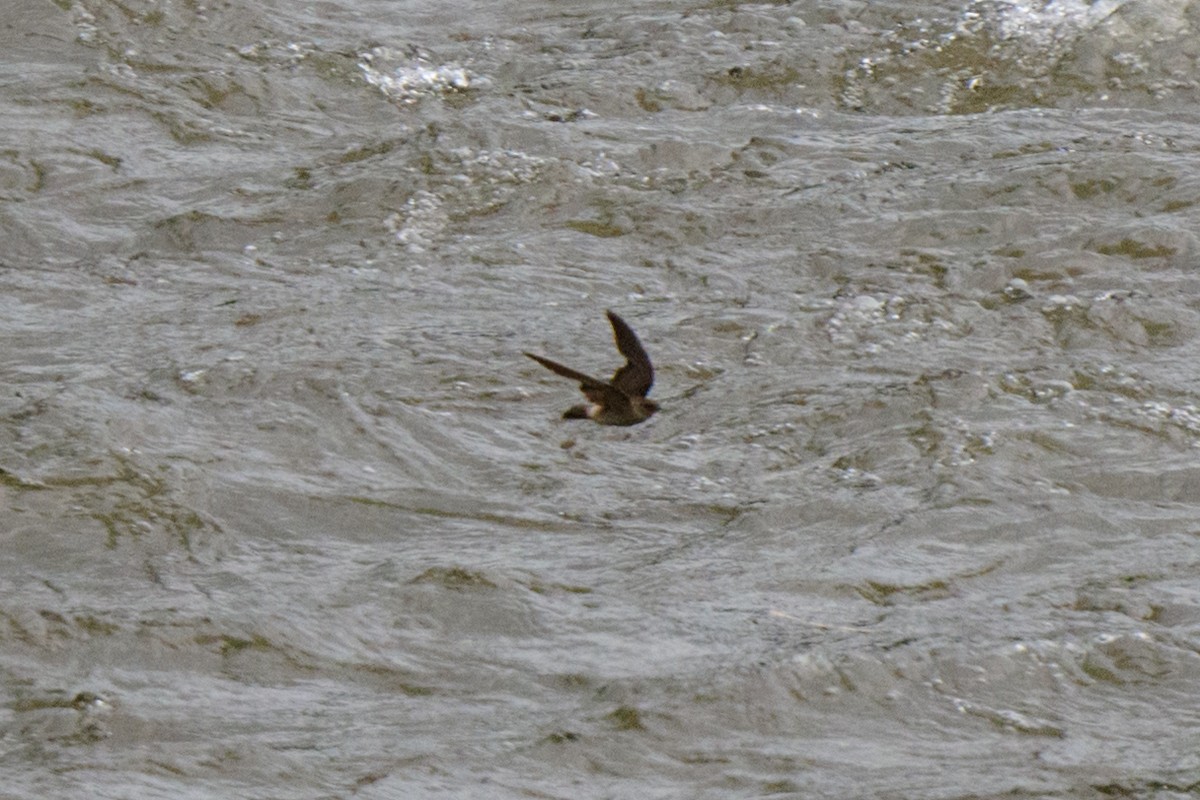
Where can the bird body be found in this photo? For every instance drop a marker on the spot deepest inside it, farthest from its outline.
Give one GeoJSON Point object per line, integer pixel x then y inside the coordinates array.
{"type": "Point", "coordinates": [621, 401]}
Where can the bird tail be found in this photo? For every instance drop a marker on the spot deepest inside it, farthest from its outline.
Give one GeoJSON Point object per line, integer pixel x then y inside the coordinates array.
{"type": "Point", "coordinates": [576, 412]}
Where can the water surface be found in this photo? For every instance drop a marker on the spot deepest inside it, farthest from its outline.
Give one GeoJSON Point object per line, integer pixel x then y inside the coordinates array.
{"type": "Point", "coordinates": [289, 515]}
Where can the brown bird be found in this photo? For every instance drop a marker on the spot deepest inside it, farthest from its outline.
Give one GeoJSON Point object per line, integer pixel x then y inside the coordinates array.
{"type": "Point", "coordinates": [621, 401]}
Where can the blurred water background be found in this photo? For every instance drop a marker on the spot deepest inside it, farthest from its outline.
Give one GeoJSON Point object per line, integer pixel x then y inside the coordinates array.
{"type": "Point", "coordinates": [286, 514]}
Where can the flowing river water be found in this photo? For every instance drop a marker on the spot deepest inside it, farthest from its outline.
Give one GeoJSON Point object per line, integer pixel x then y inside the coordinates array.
{"type": "Point", "coordinates": [287, 514]}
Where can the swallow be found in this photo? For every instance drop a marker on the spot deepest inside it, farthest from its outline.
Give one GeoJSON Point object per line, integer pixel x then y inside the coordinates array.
{"type": "Point", "coordinates": [621, 401]}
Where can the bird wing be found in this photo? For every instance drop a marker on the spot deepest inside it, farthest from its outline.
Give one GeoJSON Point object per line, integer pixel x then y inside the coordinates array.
{"type": "Point", "coordinates": [637, 376]}
{"type": "Point", "coordinates": [595, 390]}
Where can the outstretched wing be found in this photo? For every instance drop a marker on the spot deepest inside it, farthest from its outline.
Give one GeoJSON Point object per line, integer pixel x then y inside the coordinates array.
{"type": "Point", "coordinates": [595, 390]}
{"type": "Point", "coordinates": [637, 376]}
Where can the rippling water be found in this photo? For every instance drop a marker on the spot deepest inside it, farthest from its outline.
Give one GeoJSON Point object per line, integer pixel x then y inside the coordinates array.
{"type": "Point", "coordinates": [288, 514]}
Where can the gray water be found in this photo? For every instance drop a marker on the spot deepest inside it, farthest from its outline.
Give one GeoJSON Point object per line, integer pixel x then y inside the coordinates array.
{"type": "Point", "coordinates": [286, 513]}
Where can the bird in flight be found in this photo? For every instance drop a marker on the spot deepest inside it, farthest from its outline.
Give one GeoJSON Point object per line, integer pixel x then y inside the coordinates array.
{"type": "Point", "coordinates": [621, 401]}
